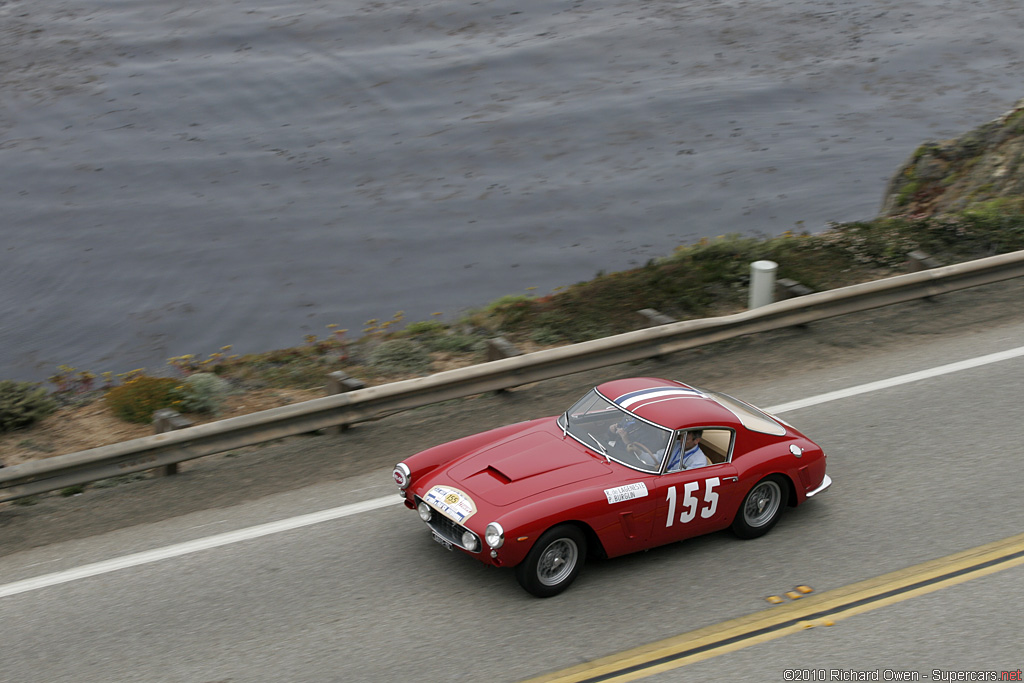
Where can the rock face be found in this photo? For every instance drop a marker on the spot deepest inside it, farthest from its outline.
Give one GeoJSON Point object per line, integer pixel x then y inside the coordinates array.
{"type": "Point", "coordinates": [982, 169]}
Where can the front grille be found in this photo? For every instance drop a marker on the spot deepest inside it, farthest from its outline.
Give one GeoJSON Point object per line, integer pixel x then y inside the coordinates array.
{"type": "Point", "coordinates": [447, 529]}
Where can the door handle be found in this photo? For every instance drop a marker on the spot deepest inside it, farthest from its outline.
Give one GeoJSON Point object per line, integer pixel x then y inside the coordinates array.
{"type": "Point", "coordinates": [724, 479]}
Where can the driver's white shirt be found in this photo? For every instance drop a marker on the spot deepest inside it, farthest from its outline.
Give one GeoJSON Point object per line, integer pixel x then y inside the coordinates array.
{"type": "Point", "coordinates": [692, 458]}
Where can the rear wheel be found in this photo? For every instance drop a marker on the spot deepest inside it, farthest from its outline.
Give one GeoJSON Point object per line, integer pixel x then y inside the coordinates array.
{"type": "Point", "coordinates": [761, 508]}
{"type": "Point", "coordinates": [553, 562]}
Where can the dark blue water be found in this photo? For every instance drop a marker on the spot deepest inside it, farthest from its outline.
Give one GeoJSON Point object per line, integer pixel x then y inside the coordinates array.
{"type": "Point", "coordinates": [179, 175]}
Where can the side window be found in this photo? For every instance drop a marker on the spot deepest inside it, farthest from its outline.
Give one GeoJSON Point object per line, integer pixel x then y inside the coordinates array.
{"type": "Point", "coordinates": [717, 445]}
{"type": "Point", "coordinates": [698, 448]}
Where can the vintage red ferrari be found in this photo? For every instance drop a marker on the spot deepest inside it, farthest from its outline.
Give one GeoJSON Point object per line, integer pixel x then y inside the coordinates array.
{"type": "Point", "coordinates": [634, 464]}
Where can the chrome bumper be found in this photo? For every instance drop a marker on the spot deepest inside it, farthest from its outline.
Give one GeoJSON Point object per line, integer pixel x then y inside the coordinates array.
{"type": "Point", "coordinates": [825, 483]}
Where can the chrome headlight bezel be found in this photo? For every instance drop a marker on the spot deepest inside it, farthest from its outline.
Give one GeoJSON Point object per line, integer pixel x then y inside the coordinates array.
{"type": "Point", "coordinates": [402, 475]}
{"type": "Point", "coordinates": [470, 541]}
{"type": "Point", "coordinates": [494, 536]}
{"type": "Point", "coordinates": [425, 511]}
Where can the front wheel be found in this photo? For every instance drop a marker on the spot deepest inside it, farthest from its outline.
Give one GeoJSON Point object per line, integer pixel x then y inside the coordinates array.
{"type": "Point", "coordinates": [761, 508]}
{"type": "Point", "coordinates": [553, 562]}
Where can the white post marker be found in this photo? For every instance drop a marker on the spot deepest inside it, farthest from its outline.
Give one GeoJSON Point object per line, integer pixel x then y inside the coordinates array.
{"type": "Point", "coordinates": [762, 283]}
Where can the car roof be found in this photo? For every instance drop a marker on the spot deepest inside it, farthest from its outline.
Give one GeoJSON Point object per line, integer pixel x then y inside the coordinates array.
{"type": "Point", "coordinates": [668, 403]}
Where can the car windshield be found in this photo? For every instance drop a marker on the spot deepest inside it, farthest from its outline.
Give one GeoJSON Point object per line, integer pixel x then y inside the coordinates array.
{"type": "Point", "coordinates": [601, 425]}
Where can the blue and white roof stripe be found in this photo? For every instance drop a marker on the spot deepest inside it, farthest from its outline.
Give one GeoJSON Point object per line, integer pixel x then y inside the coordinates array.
{"type": "Point", "coordinates": [634, 399]}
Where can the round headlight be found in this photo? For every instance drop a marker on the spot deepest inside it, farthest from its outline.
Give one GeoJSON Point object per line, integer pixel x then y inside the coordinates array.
{"type": "Point", "coordinates": [495, 535]}
{"type": "Point", "coordinates": [425, 512]}
{"type": "Point", "coordinates": [470, 542]}
{"type": "Point", "coordinates": [402, 475]}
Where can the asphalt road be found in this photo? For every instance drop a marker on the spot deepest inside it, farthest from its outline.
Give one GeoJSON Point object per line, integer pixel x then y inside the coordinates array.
{"type": "Point", "coordinates": [922, 470]}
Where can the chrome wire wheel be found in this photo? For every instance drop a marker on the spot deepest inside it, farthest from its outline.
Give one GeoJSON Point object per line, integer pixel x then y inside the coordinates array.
{"type": "Point", "coordinates": [557, 561]}
{"type": "Point", "coordinates": [554, 561]}
{"type": "Point", "coordinates": [762, 503]}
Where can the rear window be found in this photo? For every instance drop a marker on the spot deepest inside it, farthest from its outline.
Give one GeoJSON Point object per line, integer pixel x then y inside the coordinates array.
{"type": "Point", "coordinates": [748, 415]}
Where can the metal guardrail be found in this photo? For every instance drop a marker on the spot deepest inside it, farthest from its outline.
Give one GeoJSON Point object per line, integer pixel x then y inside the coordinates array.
{"type": "Point", "coordinates": [150, 452]}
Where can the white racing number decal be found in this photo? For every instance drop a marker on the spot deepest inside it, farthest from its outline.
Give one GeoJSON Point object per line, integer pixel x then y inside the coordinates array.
{"type": "Point", "coordinates": [627, 492]}
{"type": "Point", "coordinates": [690, 502]}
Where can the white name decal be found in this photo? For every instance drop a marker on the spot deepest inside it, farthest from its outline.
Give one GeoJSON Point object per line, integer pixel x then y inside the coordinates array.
{"type": "Point", "coordinates": [627, 492]}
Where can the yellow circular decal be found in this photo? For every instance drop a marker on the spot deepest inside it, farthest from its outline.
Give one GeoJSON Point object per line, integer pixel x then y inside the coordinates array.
{"type": "Point", "coordinates": [451, 499]}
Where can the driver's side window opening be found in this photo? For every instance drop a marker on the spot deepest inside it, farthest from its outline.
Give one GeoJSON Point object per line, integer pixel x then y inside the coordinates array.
{"type": "Point", "coordinates": [695, 448]}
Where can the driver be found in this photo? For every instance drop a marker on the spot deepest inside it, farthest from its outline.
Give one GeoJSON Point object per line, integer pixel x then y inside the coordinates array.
{"type": "Point", "coordinates": [687, 453]}
{"type": "Point", "coordinates": [627, 429]}
{"type": "Point", "coordinates": [630, 430]}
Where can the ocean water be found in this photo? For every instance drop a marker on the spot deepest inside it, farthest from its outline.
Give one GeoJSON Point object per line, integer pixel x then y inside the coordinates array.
{"type": "Point", "coordinates": [177, 175]}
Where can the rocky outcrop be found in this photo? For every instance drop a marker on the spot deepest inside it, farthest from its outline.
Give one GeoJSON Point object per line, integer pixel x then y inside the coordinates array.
{"type": "Point", "coordinates": [982, 169]}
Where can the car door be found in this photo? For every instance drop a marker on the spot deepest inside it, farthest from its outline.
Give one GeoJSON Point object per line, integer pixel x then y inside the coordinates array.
{"type": "Point", "coordinates": [624, 516]}
{"type": "Point", "coordinates": [692, 502]}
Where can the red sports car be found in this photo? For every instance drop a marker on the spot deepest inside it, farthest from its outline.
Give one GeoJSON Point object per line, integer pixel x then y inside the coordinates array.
{"type": "Point", "coordinates": [634, 464]}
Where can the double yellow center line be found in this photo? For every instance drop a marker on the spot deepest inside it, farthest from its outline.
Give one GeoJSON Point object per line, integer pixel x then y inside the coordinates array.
{"type": "Point", "coordinates": [822, 609]}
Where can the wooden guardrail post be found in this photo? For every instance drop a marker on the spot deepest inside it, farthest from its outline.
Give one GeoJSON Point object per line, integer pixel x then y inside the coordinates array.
{"type": "Point", "coordinates": [167, 420]}
{"type": "Point", "coordinates": [788, 289]}
{"type": "Point", "coordinates": [339, 382]}
{"type": "Point", "coordinates": [651, 317]}
{"type": "Point", "coordinates": [918, 260]}
{"type": "Point", "coordinates": [499, 347]}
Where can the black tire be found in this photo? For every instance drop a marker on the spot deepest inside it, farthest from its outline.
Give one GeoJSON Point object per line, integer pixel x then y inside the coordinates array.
{"type": "Point", "coordinates": [553, 562]}
{"type": "Point", "coordinates": [761, 507]}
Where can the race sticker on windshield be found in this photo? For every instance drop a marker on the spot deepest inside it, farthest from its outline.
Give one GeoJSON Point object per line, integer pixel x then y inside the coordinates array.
{"type": "Point", "coordinates": [627, 492]}
{"type": "Point", "coordinates": [452, 503]}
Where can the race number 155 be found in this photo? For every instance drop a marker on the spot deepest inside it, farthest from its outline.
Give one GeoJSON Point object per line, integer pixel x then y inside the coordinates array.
{"type": "Point", "coordinates": [690, 503]}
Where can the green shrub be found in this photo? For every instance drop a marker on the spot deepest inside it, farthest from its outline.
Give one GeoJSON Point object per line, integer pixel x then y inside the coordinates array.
{"type": "Point", "coordinates": [454, 343]}
{"type": "Point", "coordinates": [508, 300]}
{"type": "Point", "coordinates": [400, 355]}
{"type": "Point", "coordinates": [203, 392]}
{"type": "Point", "coordinates": [22, 403]}
{"type": "Point", "coordinates": [425, 328]}
{"type": "Point", "coordinates": [137, 399]}
{"type": "Point", "coordinates": [297, 375]}
{"type": "Point", "coordinates": [546, 336]}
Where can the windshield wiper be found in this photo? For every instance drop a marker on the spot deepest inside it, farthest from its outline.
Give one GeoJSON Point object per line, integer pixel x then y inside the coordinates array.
{"type": "Point", "coordinates": [603, 451]}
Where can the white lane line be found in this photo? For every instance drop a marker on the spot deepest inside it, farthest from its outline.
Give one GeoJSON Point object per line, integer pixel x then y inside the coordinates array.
{"type": "Point", "coordinates": [896, 381]}
{"type": "Point", "coordinates": [355, 508]}
{"type": "Point", "coordinates": [180, 549]}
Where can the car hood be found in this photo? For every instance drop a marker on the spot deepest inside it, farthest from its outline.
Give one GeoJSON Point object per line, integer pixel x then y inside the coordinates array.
{"type": "Point", "coordinates": [525, 465]}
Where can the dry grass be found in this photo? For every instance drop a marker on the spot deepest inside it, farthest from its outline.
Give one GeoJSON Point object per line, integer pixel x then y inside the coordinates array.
{"type": "Point", "coordinates": [91, 425]}
{"type": "Point", "coordinates": [80, 427]}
